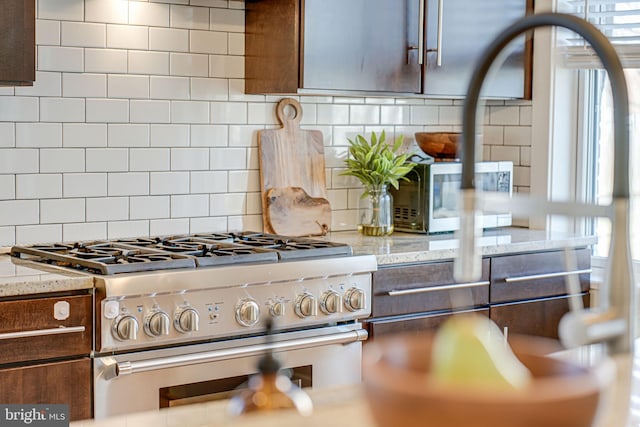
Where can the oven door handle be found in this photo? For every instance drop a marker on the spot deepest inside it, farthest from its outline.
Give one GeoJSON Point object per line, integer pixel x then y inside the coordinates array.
{"type": "Point", "coordinates": [112, 368]}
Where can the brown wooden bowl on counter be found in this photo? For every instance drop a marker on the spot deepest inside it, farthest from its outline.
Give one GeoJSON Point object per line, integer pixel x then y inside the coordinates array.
{"type": "Point", "coordinates": [400, 392]}
{"type": "Point", "coordinates": [439, 145]}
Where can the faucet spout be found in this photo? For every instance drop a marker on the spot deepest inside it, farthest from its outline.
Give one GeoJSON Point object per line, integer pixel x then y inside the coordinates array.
{"type": "Point", "coordinates": [619, 295]}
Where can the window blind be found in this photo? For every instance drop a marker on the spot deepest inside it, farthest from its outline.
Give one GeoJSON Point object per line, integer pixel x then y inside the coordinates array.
{"type": "Point", "coordinates": [618, 20]}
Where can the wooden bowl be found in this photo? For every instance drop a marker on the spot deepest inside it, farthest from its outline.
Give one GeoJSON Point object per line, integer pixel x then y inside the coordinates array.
{"type": "Point", "coordinates": [440, 145]}
{"type": "Point", "coordinates": [400, 393]}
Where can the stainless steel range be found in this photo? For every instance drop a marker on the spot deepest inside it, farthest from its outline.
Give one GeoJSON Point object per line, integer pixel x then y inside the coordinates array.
{"type": "Point", "coordinates": [181, 318]}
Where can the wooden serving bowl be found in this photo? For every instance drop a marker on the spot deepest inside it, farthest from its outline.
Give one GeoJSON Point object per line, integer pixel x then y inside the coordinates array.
{"type": "Point", "coordinates": [440, 145]}
{"type": "Point", "coordinates": [400, 391]}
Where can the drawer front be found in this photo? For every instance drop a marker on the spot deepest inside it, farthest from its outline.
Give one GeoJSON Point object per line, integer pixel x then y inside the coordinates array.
{"type": "Point", "coordinates": [29, 329]}
{"type": "Point", "coordinates": [535, 275]}
{"type": "Point", "coordinates": [427, 287]}
{"type": "Point", "coordinates": [411, 324]}
{"type": "Point", "coordinates": [539, 318]}
{"type": "Point", "coordinates": [50, 383]}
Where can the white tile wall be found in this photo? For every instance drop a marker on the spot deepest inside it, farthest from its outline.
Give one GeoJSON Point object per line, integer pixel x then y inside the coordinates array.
{"type": "Point", "coordinates": [138, 123]}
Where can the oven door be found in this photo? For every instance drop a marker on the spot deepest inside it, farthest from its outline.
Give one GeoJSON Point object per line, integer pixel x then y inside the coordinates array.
{"type": "Point", "coordinates": [147, 380]}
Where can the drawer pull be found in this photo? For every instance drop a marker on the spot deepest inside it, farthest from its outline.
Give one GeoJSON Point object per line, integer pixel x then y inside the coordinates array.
{"type": "Point", "coordinates": [546, 275]}
{"type": "Point", "coordinates": [42, 332]}
{"type": "Point", "coordinates": [436, 288]}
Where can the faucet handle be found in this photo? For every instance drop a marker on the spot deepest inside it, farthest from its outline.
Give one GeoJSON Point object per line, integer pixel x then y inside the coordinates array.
{"type": "Point", "coordinates": [590, 326]}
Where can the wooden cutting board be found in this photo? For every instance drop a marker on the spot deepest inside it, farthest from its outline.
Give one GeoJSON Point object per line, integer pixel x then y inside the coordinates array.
{"type": "Point", "coordinates": [292, 176]}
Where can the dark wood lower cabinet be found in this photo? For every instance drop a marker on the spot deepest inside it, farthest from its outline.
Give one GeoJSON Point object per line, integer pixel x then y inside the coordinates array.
{"type": "Point", "coordinates": [539, 317]}
{"type": "Point", "coordinates": [417, 323]}
{"type": "Point", "coordinates": [67, 382]}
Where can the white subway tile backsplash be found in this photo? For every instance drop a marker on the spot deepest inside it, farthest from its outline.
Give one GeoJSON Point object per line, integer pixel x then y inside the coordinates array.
{"type": "Point", "coordinates": [229, 113]}
{"type": "Point", "coordinates": [450, 115]}
{"type": "Point", "coordinates": [227, 204]}
{"type": "Point", "coordinates": [195, 18]}
{"type": "Point", "coordinates": [189, 205]}
{"type": "Point", "coordinates": [149, 207]}
{"type": "Point", "coordinates": [19, 109]}
{"type": "Point", "coordinates": [332, 114]}
{"type": "Point", "coordinates": [38, 135]}
{"type": "Point", "coordinates": [149, 159]}
{"type": "Point", "coordinates": [208, 42]}
{"type": "Point", "coordinates": [107, 110]}
{"type": "Point", "coordinates": [7, 187]}
{"type": "Point", "coordinates": [60, 211]}
{"type": "Point", "coordinates": [19, 160]}
{"type": "Point", "coordinates": [126, 86]}
{"type": "Point", "coordinates": [338, 199]}
{"type": "Point", "coordinates": [424, 115]}
{"type": "Point", "coordinates": [364, 114]}
{"type": "Point", "coordinates": [84, 231]}
{"type": "Point", "coordinates": [525, 156]}
{"type": "Point", "coordinates": [109, 11]}
{"type": "Point", "coordinates": [223, 66]}
{"type": "Point", "coordinates": [19, 212]}
{"type": "Point", "coordinates": [236, 44]}
{"type": "Point", "coordinates": [169, 87]}
{"type": "Point", "coordinates": [244, 136]}
{"type": "Point", "coordinates": [54, 160]}
{"type": "Point", "coordinates": [252, 158]}
{"type": "Point", "coordinates": [169, 226]}
{"type": "Point", "coordinates": [506, 153]}
{"type": "Point", "coordinates": [84, 135]}
{"type": "Point", "coordinates": [201, 225]}
{"type": "Point", "coordinates": [7, 135]}
{"type": "Point", "coordinates": [8, 236]}
{"type": "Point", "coordinates": [395, 114]}
{"type": "Point", "coordinates": [128, 184]}
{"type": "Point", "coordinates": [122, 229]}
{"type": "Point", "coordinates": [189, 159]}
{"type": "Point", "coordinates": [254, 203]}
{"type": "Point", "coordinates": [32, 234]}
{"type": "Point", "coordinates": [105, 61]}
{"type": "Point", "coordinates": [261, 113]}
{"type": "Point", "coordinates": [83, 34]}
{"type": "Point", "coordinates": [168, 39]}
{"type": "Point", "coordinates": [503, 115]}
{"type": "Point", "coordinates": [151, 14]}
{"type": "Point", "coordinates": [84, 85]}
{"type": "Point", "coordinates": [47, 32]}
{"type": "Point", "coordinates": [145, 62]}
{"type": "Point", "coordinates": [228, 158]}
{"type": "Point", "coordinates": [107, 160]}
{"type": "Point", "coordinates": [63, 10]}
{"type": "Point", "coordinates": [244, 181]}
{"type": "Point", "coordinates": [127, 37]}
{"type": "Point", "coordinates": [517, 135]}
{"type": "Point", "coordinates": [58, 58]}
{"type": "Point", "coordinates": [209, 182]}
{"type": "Point", "coordinates": [188, 64]}
{"type": "Point", "coordinates": [150, 111]}
{"type": "Point", "coordinates": [245, 222]}
{"type": "Point", "coordinates": [39, 186]}
{"type": "Point", "coordinates": [227, 20]}
{"type": "Point", "coordinates": [209, 89]}
{"type": "Point", "coordinates": [210, 3]}
{"type": "Point", "coordinates": [209, 135]}
{"type": "Point", "coordinates": [125, 135]}
{"type": "Point", "coordinates": [108, 209]}
{"type": "Point", "coordinates": [521, 176]}
{"type": "Point", "coordinates": [189, 112]}
{"type": "Point", "coordinates": [84, 185]}
{"type": "Point", "coordinates": [169, 182]}
{"type": "Point", "coordinates": [334, 157]}
{"type": "Point", "coordinates": [525, 115]}
{"type": "Point", "coordinates": [62, 110]}
{"type": "Point", "coordinates": [169, 135]}
{"type": "Point", "coordinates": [46, 84]}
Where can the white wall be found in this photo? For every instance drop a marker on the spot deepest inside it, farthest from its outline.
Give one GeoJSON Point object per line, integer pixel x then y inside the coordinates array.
{"type": "Point", "coordinates": [138, 124]}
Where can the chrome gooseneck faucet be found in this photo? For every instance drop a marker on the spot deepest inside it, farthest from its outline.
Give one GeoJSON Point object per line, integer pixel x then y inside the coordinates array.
{"type": "Point", "coordinates": [613, 322]}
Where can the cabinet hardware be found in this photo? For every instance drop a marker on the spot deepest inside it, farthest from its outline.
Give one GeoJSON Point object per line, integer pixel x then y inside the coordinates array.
{"type": "Point", "coordinates": [546, 275]}
{"type": "Point", "coordinates": [42, 332]}
{"type": "Point", "coordinates": [439, 41]}
{"type": "Point", "coordinates": [401, 292]}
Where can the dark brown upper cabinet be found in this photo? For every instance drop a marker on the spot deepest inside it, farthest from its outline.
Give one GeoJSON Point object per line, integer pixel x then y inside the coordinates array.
{"type": "Point", "coordinates": [17, 43]}
{"type": "Point", "coordinates": [394, 47]}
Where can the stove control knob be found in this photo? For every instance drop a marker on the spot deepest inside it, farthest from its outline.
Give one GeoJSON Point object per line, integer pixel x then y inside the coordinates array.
{"type": "Point", "coordinates": [186, 320]}
{"type": "Point", "coordinates": [306, 305]}
{"type": "Point", "coordinates": [277, 309]}
{"type": "Point", "coordinates": [354, 299]}
{"type": "Point", "coordinates": [247, 312]}
{"type": "Point", "coordinates": [156, 323]}
{"type": "Point", "coordinates": [125, 327]}
{"type": "Point", "coordinates": [331, 302]}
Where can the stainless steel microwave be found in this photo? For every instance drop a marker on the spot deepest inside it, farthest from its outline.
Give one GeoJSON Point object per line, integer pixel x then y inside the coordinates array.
{"type": "Point", "coordinates": [428, 201]}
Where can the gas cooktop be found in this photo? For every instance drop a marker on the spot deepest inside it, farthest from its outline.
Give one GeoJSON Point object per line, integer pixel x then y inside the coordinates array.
{"type": "Point", "coordinates": [108, 257]}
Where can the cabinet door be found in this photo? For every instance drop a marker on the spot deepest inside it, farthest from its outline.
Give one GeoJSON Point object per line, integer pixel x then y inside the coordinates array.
{"type": "Point", "coordinates": [17, 43]}
{"type": "Point", "coordinates": [361, 45]}
{"type": "Point", "coordinates": [54, 383]}
{"type": "Point", "coordinates": [458, 32]}
{"type": "Point", "coordinates": [411, 324]}
{"type": "Point", "coordinates": [539, 317]}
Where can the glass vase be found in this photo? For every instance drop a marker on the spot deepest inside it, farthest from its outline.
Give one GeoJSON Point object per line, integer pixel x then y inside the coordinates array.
{"type": "Point", "coordinates": [376, 212]}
